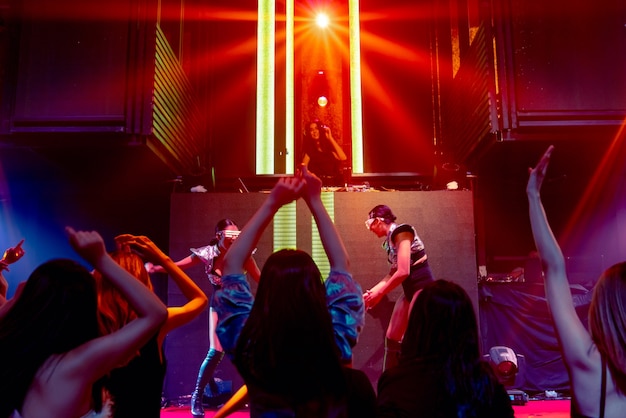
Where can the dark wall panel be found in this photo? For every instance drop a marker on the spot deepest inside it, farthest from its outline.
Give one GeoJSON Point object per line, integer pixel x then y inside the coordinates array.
{"type": "Point", "coordinates": [570, 56]}
{"type": "Point", "coordinates": [73, 63]}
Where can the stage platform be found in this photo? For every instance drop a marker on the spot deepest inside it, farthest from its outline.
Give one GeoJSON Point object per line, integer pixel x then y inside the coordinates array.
{"type": "Point", "coordinates": [443, 219]}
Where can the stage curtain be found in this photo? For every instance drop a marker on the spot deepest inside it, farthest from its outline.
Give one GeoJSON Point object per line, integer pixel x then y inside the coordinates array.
{"type": "Point", "coordinates": [516, 315]}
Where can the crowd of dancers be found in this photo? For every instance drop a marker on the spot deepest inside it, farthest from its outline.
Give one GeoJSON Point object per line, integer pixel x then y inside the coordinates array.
{"type": "Point", "coordinates": [80, 343]}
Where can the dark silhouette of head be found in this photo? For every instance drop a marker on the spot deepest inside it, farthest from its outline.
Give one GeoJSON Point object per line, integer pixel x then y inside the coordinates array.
{"type": "Point", "coordinates": [443, 315]}
{"type": "Point", "coordinates": [55, 313]}
{"type": "Point", "coordinates": [287, 344]}
{"type": "Point", "coordinates": [443, 329]}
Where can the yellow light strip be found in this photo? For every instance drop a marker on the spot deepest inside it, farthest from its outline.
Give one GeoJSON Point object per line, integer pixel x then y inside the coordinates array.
{"type": "Point", "coordinates": [356, 99]}
{"type": "Point", "coordinates": [284, 231]}
{"type": "Point", "coordinates": [317, 249]}
{"type": "Point", "coordinates": [289, 89]}
{"type": "Point", "coordinates": [265, 87]}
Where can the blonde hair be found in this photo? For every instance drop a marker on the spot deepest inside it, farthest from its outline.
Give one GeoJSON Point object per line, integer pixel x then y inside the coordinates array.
{"type": "Point", "coordinates": [607, 321]}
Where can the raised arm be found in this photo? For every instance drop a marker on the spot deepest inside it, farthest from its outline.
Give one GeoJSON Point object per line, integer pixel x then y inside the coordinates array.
{"type": "Point", "coordinates": [286, 190]}
{"type": "Point", "coordinates": [4, 285]}
{"type": "Point", "coordinates": [196, 299]}
{"type": "Point", "coordinates": [574, 339]}
{"type": "Point", "coordinates": [93, 359]}
{"type": "Point", "coordinates": [343, 295]}
{"type": "Point", "coordinates": [331, 240]}
{"type": "Point", "coordinates": [253, 269]}
{"type": "Point", "coordinates": [183, 263]}
{"type": "Point", "coordinates": [337, 150]}
{"type": "Point", "coordinates": [10, 256]}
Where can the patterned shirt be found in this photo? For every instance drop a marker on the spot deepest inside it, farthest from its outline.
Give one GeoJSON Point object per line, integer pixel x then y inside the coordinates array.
{"type": "Point", "coordinates": [344, 298]}
{"type": "Point", "coordinates": [417, 246]}
{"type": "Point", "coordinates": [207, 254]}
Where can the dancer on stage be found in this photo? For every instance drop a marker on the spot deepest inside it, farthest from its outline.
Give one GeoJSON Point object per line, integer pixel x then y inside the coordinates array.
{"type": "Point", "coordinates": [409, 268]}
{"type": "Point", "coordinates": [212, 255]}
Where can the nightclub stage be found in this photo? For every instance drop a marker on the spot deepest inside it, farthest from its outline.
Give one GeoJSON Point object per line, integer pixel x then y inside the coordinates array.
{"type": "Point", "coordinates": [443, 219]}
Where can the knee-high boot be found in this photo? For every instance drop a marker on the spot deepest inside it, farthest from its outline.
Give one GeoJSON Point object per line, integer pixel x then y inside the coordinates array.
{"type": "Point", "coordinates": [205, 375]}
{"type": "Point", "coordinates": [392, 353]}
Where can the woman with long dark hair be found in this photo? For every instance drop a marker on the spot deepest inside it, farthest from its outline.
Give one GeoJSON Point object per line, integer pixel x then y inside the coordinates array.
{"type": "Point", "coordinates": [292, 344]}
{"type": "Point", "coordinates": [322, 154]}
{"type": "Point", "coordinates": [53, 357]}
{"type": "Point", "coordinates": [441, 373]}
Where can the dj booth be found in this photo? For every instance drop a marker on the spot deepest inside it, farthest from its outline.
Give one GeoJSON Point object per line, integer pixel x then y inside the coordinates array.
{"type": "Point", "coordinates": [443, 219]}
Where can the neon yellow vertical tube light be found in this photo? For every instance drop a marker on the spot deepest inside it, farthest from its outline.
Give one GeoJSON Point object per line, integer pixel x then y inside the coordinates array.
{"type": "Point", "coordinates": [356, 99]}
{"type": "Point", "coordinates": [284, 227]}
{"type": "Point", "coordinates": [318, 254]}
{"type": "Point", "coordinates": [265, 96]}
{"type": "Point", "coordinates": [289, 88]}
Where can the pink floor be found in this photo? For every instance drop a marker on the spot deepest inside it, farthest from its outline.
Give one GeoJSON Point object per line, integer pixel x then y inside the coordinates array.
{"type": "Point", "coordinates": [180, 412]}
{"type": "Point", "coordinates": [532, 409]}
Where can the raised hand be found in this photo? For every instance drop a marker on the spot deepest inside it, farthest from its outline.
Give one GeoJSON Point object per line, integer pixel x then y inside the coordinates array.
{"type": "Point", "coordinates": [143, 246]}
{"type": "Point", "coordinates": [150, 268]}
{"type": "Point", "coordinates": [88, 244]}
{"type": "Point", "coordinates": [312, 184]}
{"type": "Point", "coordinates": [11, 255]}
{"type": "Point", "coordinates": [372, 297]}
{"type": "Point", "coordinates": [538, 174]}
{"type": "Point", "coordinates": [286, 190]}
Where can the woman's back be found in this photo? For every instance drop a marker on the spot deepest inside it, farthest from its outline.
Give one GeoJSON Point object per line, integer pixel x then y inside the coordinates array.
{"type": "Point", "coordinates": [358, 401]}
{"type": "Point", "coordinates": [600, 397]}
{"type": "Point", "coordinates": [57, 379]}
{"type": "Point", "coordinates": [286, 343]}
{"type": "Point", "coordinates": [53, 358]}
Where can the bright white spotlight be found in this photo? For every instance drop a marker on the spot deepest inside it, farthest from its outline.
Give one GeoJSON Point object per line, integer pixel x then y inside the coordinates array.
{"type": "Point", "coordinates": [322, 20]}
